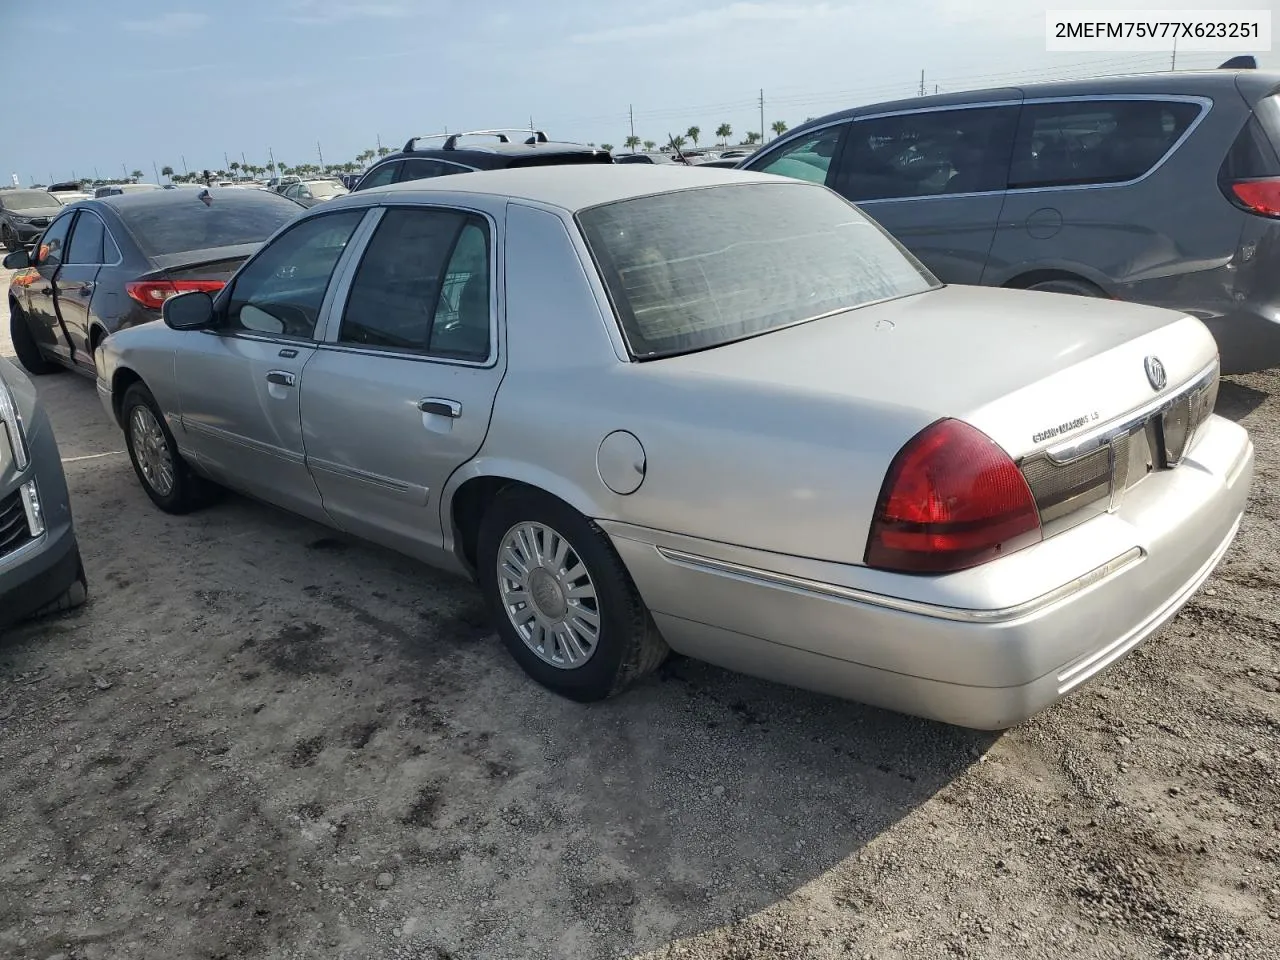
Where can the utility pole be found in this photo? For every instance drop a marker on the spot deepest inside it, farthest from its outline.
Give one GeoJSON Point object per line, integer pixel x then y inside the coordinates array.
{"type": "Point", "coordinates": [226, 161]}
{"type": "Point", "coordinates": [243, 162]}
{"type": "Point", "coordinates": [185, 171]}
{"type": "Point", "coordinates": [156, 170]}
{"type": "Point", "coordinates": [378, 137]}
{"type": "Point", "coordinates": [922, 83]}
{"type": "Point", "coordinates": [124, 172]}
{"type": "Point", "coordinates": [531, 123]}
{"type": "Point", "coordinates": [762, 114]}
{"type": "Point", "coordinates": [95, 174]}
{"type": "Point", "coordinates": [320, 155]}
{"type": "Point", "coordinates": [631, 112]}
{"type": "Point", "coordinates": [1173, 62]}
{"type": "Point", "coordinates": [272, 157]}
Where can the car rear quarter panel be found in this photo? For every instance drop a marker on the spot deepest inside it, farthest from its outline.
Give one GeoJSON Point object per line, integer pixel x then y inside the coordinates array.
{"type": "Point", "coordinates": [145, 352]}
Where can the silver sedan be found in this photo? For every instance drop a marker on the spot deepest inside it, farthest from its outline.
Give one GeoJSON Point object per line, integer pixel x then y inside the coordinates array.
{"type": "Point", "coordinates": [710, 411]}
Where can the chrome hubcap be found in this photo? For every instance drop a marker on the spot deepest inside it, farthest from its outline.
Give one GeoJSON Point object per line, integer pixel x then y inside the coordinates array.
{"type": "Point", "coordinates": [548, 595]}
{"type": "Point", "coordinates": [151, 451]}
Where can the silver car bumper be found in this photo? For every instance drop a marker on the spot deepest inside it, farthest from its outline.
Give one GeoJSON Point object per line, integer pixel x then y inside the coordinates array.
{"type": "Point", "coordinates": [983, 648]}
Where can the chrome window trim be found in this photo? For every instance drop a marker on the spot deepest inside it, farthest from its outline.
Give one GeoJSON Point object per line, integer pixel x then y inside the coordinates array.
{"type": "Point", "coordinates": [1205, 103]}
{"type": "Point", "coordinates": [342, 292]}
{"type": "Point", "coordinates": [831, 591]}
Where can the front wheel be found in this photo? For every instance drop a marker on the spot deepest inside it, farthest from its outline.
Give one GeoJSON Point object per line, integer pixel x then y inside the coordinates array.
{"type": "Point", "coordinates": [564, 603]}
{"type": "Point", "coordinates": [165, 476]}
{"type": "Point", "coordinates": [24, 344]}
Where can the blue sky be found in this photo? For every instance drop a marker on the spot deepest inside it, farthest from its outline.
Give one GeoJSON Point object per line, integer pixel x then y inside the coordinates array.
{"type": "Point", "coordinates": [152, 81]}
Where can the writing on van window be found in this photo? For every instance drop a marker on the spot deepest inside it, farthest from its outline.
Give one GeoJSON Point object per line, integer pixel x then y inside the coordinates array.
{"type": "Point", "coordinates": [1095, 141]}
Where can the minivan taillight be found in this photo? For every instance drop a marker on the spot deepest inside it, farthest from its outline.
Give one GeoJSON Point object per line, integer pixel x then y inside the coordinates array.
{"type": "Point", "coordinates": [153, 293]}
{"type": "Point", "coordinates": [1259, 196]}
{"type": "Point", "coordinates": [952, 499]}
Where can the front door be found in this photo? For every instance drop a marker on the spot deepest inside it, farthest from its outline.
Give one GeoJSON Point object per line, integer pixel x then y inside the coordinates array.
{"type": "Point", "coordinates": [42, 311]}
{"type": "Point", "coordinates": [402, 394]}
{"type": "Point", "coordinates": [239, 383]}
{"type": "Point", "coordinates": [935, 180]}
{"type": "Point", "coordinates": [75, 282]}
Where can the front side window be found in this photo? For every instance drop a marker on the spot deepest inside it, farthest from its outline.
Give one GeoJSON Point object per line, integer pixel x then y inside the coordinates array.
{"type": "Point", "coordinates": [86, 241]}
{"type": "Point", "coordinates": [934, 153]}
{"type": "Point", "coordinates": [808, 157]}
{"type": "Point", "coordinates": [704, 267]}
{"type": "Point", "coordinates": [1095, 141]}
{"type": "Point", "coordinates": [281, 291]}
{"type": "Point", "coordinates": [379, 176]}
{"type": "Point", "coordinates": [51, 252]}
{"type": "Point", "coordinates": [423, 286]}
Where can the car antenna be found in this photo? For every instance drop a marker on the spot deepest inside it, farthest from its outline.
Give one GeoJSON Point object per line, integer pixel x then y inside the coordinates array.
{"type": "Point", "coordinates": [676, 147]}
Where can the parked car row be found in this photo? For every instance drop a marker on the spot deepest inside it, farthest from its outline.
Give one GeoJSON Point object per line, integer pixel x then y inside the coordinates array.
{"type": "Point", "coordinates": [1004, 491]}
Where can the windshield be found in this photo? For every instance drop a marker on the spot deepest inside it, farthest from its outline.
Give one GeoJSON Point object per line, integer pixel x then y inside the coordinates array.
{"type": "Point", "coordinates": [183, 222]}
{"type": "Point", "coordinates": [28, 200]}
{"type": "Point", "coordinates": [327, 188]}
{"type": "Point", "coordinates": [701, 268]}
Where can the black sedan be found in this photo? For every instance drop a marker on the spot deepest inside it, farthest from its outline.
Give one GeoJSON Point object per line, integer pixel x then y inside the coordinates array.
{"type": "Point", "coordinates": [110, 263]}
{"type": "Point", "coordinates": [24, 214]}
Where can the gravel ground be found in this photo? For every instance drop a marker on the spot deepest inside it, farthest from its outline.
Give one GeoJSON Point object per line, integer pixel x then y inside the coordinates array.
{"type": "Point", "coordinates": [261, 740]}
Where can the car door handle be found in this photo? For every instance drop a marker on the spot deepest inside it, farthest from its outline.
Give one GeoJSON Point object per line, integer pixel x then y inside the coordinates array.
{"type": "Point", "coordinates": [441, 408]}
{"type": "Point", "coordinates": [86, 288]}
{"type": "Point", "coordinates": [282, 377]}
{"type": "Point", "coordinates": [46, 291]}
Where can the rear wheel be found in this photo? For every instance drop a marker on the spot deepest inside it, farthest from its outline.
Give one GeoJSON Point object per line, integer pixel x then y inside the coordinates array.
{"type": "Point", "coordinates": [165, 476]}
{"type": "Point", "coordinates": [24, 344]}
{"type": "Point", "coordinates": [1079, 288]}
{"type": "Point", "coordinates": [563, 602]}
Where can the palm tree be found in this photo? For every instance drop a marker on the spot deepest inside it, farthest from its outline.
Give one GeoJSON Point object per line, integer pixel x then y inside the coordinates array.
{"type": "Point", "coordinates": [779, 127]}
{"type": "Point", "coordinates": [632, 142]}
{"type": "Point", "coordinates": [607, 147]}
{"type": "Point", "coordinates": [724, 132]}
{"type": "Point", "coordinates": [383, 151]}
{"type": "Point", "coordinates": [678, 142]}
{"type": "Point", "coordinates": [692, 133]}
{"type": "Point", "coordinates": [235, 166]}
{"type": "Point", "coordinates": [137, 175]}
{"type": "Point", "coordinates": [753, 137]}
{"type": "Point", "coordinates": [167, 171]}
{"type": "Point", "coordinates": [649, 144]}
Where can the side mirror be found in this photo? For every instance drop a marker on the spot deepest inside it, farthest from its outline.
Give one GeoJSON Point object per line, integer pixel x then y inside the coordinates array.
{"type": "Point", "coordinates": [188, 311]}
{"type": "Point", "coordinates": [18, 260]}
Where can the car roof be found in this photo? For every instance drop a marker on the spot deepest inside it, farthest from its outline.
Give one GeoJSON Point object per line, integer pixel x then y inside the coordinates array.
{"type": "Point", "coordinates": [572, 188]}
{"type": "Point", "coordinates": [1252, 83]}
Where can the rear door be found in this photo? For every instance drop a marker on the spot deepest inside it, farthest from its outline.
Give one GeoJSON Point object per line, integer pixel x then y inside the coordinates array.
{"type": "Point", "coordinates": [401, 394]}
{"type": "Point", "coordinates": [1082, 198]}
{"type": "Point", "coordinates": [76, 281]}
{"type": "Point", "coordinates": [42, 310]}
{"type": "Point", "coordinates": [238, 384]}
{"type": "Point", "coordinates": [934, 179]}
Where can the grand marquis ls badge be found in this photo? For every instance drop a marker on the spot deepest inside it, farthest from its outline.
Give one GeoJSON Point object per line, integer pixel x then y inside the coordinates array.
{"type": "Point", "coordinates": [1155, 373]}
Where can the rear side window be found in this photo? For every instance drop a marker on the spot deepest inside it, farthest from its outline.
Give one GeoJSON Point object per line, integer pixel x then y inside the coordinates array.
{"type": "Point", "coordinates": [560, 159]}
{"type": "Point", "coordinates": [422, 286]}
{"type": "Point", "coordinates": [379, 176]}
{"type": "Point", "coordinates": [1095, 141]}
{"type": "Point", "coordinates": [928, 154]}
{"type": "Point", "coordinates": [184, 222]}
{"type": "Point", "coordinates": [86, 241]}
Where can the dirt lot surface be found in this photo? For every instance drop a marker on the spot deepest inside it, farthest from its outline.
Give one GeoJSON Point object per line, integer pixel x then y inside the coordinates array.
{"type": "Point", "coordinates": [261, 740]}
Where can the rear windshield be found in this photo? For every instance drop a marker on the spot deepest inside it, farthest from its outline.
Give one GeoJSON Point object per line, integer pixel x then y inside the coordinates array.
{"type": "Point", "coordinates": [28, 200]}
{"type": "Point", "coordinates": [556, 159]}
{"type": "Point", "coordinates": [700, 268]}
{"type": "Point", "coordinates": [186, 223]}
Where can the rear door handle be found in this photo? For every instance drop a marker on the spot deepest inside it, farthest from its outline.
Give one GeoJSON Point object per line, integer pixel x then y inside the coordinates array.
{"type": "Point", "coordinates": [440, 407]}
{"type": "Point", "coordinates": [282, 377]}
{"type": "Point", "coordinates": [86, 288]}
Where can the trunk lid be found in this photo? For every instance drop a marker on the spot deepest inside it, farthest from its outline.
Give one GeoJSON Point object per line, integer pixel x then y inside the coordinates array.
{"type": "Point", "coordinates": [1029, 369]}
{"type": "Point", "coordinates": [214, 263]}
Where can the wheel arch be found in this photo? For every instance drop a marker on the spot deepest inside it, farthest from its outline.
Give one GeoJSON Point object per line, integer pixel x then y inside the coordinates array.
{"type": "Point", "coordinates": [121, 380]}
{"type": "Point", "coordinates": [471, 489]}
{"type": "Point", "coordinates": [1024, 278]}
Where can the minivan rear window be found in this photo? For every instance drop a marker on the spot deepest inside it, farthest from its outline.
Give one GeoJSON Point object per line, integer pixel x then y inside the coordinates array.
{"type": "Point", "coordinates": [1095, 141]}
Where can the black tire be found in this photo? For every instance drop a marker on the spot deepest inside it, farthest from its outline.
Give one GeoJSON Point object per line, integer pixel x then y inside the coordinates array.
{"type": "Point", "coordinates": [1078, 288]}
{"type": "Point", "coordinates": [74, 596]}
{"type": "Point", "coordinates": [24, 345]}
{"type": "Point", "coordinates": [188, 491]}
{"type": "Point", "coordinates": [628, 644]}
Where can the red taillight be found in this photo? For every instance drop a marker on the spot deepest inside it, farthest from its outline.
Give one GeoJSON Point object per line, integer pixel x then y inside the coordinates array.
{"type": "Point", "coordinates": [952, 499]}
{"type": "Point", "coordinates": [153, 293]}
{"type": "Point", "coordinates": [1259, 196]}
